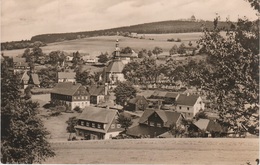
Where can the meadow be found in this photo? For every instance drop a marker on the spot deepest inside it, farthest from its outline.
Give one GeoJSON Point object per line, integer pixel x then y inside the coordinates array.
{"type": "Point", "coordinates": [95, 45]}
{"type": "Point", "coordinates": [225, 151]}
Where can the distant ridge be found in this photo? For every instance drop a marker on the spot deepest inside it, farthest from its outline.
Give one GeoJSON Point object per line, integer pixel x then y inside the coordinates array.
{"type": "Point", "coordinates": [174, 26]}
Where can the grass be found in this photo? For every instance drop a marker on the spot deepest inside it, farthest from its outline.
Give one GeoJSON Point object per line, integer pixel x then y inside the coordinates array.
{"type": "Point", "coordinates": [95, 45]}
{"type": "Point", "coordinates": [157, 151]}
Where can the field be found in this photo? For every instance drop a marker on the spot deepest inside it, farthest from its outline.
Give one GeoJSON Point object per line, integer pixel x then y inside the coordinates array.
{"type": "Point", "coordinates": [95, 45]}
{"type": "Point", "coordinates": [157, 151]}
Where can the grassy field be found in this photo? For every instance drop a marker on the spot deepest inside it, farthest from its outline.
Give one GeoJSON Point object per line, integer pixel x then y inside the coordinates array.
{"type": "Point", "coordinates": [157, 151]}
{"type": "Point", "coordinates": [95, 45]}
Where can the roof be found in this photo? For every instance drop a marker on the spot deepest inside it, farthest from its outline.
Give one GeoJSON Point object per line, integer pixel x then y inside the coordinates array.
{"type": "Point", "coordinates": [97, 90]}
{"type": "Point", "coordinates": [171, 95]}
{"type": "Point", "coordinates": [140, 130]}
{"type": "Point", "coordinates": [168, 117]}
{"type": "Point", "coordinates": [135, 99]}
{"type": "Point", "coordinates": [66, 88]}
{"type": "Point", "coordinates": [66, 75]}
{"type": "Point", "coordinates": [19, 59]}
{"type": "Point", "coordinates": [115, 66]}
{"type": "Point", "coordinates": [159, 93]}
{"type": "Point", "coordinates": [35, 79]}
{"type": "Point", "coordinates": [208, 125]}
{"type": "Point", "coordinates": [100, 115]}
{"type": "Point", "coordinates": [188, 100]}
{"type": "Point", "coordinates": [25, 76]}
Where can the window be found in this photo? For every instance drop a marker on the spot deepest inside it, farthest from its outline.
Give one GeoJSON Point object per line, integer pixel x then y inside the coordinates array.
{"type": "Point", "coordinates": [159, 125]}
{"type": "Point", "coordinates": [87, 124]}
{"type": "Point", "coordinates": [179, 107]}
{"type": "Point", "coordinates": [118, 125]}
{"type": "Point", "coordinates": [113, 126]}
{"type": "Point", "coordinates": [93, 125]}
{"type": "Point", "coordinates": [78, 97]}
{"type": "Point", "coordinates": [82, 123]}
{"type": "Point", "coordinates": [151, 123]}
{"type": "Point", "coordinates": [82, 97]}
{"type": "Point", "coordinates": [188, 108]}
{"type": "Point", "coordinates": [75, 98]}
{"type": "Point", "coordinates": [99, 126]}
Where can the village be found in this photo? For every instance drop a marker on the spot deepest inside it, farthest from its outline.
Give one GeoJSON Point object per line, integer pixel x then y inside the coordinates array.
{"type": "Point", "coordinates": [90, 104]}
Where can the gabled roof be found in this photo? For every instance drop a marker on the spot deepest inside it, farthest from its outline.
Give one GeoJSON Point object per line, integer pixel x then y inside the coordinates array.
{"type": "Point", "coordinates": [25, 77]}
{"type": "Point", "coordinates": [66, 88]}
{"type": "Point", "coordinates": [208, 125]}
{"type": "Point", "coordinates": [115, 66]}
{"type": "Point", "coordinates": [135, 99]}
{"type": "Point", "coordinates": [35, 79]}
{"type": "Point", "coordinates": [159, 93]}
{"type": "Point", "coordinates": [168, 117]}
{"type": "Point", "coordinates": [100, 115]}
{"type": "Point", "coordinates": [97, 90]}
{"type": "Point", "coordinates": [188, 100]}
{"type": "Point", "coordinates": [66, 75]}
{"type": "Point", "coordinates": [141, 130]}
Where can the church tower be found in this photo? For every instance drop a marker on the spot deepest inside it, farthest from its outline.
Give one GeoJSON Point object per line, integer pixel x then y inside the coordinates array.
{"type": "Point", "coordinates": [117, 51]}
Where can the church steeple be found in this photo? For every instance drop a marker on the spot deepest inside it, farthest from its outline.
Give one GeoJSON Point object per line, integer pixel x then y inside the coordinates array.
{"type": "Point", "coordinates": [117, 50]}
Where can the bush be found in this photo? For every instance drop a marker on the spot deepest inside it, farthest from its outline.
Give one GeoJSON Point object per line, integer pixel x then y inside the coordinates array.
{"type": "Point", "coordinates": [55, 113]}
{"type": "Point", "coordinates": [178, 40]}
{"type": "Point", "coordinates": [77, 109]}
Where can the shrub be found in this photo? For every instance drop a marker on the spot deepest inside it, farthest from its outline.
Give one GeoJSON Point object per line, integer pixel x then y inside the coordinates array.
{"type": "Point", "coordinates": [178, 40]}
{"type": "Point", "coordinates": [55, 113]}
{"type": "Point", "coordinates": [77, 109]}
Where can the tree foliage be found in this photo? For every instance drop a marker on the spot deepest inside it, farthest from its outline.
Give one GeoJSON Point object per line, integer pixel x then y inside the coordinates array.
{"type": "Point", "coordinates": [23, 136]}
{"type": "Point", "coordinates": [124, 121]}
{"type": "Point", "coordinates": [157, 50]}
{"type": "Point", "coordinates": [123, 92]}
{"type": "Point", "coordinates": [126, 50]}
{"type": "Point", "coordinates": [103, 58]}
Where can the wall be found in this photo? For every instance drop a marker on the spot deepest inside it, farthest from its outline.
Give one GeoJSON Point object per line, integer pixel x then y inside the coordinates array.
{"type": "Point", "coordinates": [81, 104]}
{"type": "Point", "coordinates": [113, 134]}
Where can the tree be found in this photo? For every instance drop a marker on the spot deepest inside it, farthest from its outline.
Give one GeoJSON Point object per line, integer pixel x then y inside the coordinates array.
{"type": "Point", "coordinates": [36, 53]}
{"type": "Point", "coordinates": [157, 51]}
{"type": "Point", "coordinates": [149, 53]}
{"type": "Point", "coordinates": [176, 130]}
{"type": "Point", "coordinates": [103, 58]}
{"type": "Point", "coordinates": [231, 78]}
{"type": "Point", "coordinates": [130, 71]}
{"type": "Point", "coordinates": [27, 92]}
{"type": "Point", "coordinates": [76, 59]}
{"type": "Point", "coordinates": [201, 115]}
{"type": "Point", "coordinates": [173, 50]}
{"type": "Point", "coordinates": [181, 49]}
{"type": "Point", "coordinates": [23, 136]}
{"type": "Point", "coordinates": [126, 50]}
{"type": "Point", "coordinates": [72, 122]}
{"type": "Point", "coordinates": [57, 58]}
{"type": "Point", "coordinates": [27, 54]}
{"type": "Point", "coordinates": [124, 121]}
{"type": "Point", "coordinates": [123, 92]}
{"type": "Point", "coordinates": [85, 78]}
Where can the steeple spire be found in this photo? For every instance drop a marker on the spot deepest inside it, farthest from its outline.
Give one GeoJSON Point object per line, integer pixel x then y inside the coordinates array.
{"type": "Point", "coordinates": [117, 51]}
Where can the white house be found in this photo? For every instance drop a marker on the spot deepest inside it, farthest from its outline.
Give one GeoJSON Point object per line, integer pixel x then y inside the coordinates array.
{"type": "Point", "coordinates": [189, 105]}
{"type": "Point", "coordinates": [98, 123]}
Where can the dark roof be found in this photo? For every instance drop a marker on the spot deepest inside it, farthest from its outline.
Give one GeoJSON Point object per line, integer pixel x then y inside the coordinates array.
{"type": "Point", "coordinates": [208, 125]}
{"type": "Point", "coordinates": [100, 115]}
{"type": "Point", "coordinates": [159, 93]}
{"type": "Point", "coordinates": [168, 117]}
{"type": "Point", "coordinates": [115, 66]}
{"type": "Point", "coordinates": [66, 88]}
{"type": "Point", "coordinates": [135, 99]}
{"type": "Point", "coordinates": [35, 79]}
{"type": "Point", "coordinates": [66, 75]}
{"type": "Point", "coordinates": [171, 95]}
{"type": "Point", "coordinates": [140, 130]}
{"type": "Point", "coordinates": [188, 100]}
{"type": "Point", "coordinates": [96, 90]}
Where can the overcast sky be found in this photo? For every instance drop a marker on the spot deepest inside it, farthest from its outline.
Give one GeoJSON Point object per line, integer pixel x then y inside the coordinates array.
{"type": "Point", "coordinates": [21, 19]}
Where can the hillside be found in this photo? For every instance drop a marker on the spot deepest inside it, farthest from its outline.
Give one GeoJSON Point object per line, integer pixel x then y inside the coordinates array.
{"type": "Point", "coordinates": [146, 28]}
{"type": "Point", "coordinates": [158, 151]}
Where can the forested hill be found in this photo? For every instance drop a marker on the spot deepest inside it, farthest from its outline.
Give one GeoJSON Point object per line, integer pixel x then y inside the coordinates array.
{"type": "Point", "coordinates": [146, 28]}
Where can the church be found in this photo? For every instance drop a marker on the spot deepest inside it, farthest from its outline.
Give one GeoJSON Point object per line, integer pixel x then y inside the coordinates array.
{"type": "Point", "coordinates": [113, 72]}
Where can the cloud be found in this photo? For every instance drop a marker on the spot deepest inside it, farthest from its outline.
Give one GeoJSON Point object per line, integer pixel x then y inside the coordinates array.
{"type": "Point", "coordinates": [21, 19]}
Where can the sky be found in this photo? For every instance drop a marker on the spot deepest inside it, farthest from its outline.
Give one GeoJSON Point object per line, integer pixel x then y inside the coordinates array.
{"type": "Point", "coordinates": [22, 19]}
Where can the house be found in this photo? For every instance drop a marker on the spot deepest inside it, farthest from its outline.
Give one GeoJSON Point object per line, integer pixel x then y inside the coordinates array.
{"type": "Point", "coordinates": [98, 123]}
{"type": "Point", "coordinates": [189, 105]}
{"type": "Point", "coordinates": [190, 50]}
{"type": "Point", "coordinates": [89, 59]}
{"type": "Point", "coordinates": [69, 58]}
{"type": "Point", "coordinates": [210, 127]}
{"type": "Point", "coordinates": [136, 104]}
{"type": "Point", "coordinates": [30, 79]}
{"type": "Point", "coordinates": [70, 94]}
{"type": "Point", "coordinates": [66, 77]}
{"type": "Point", "coordinates": [153, 123]}
{"type": "Point", "coordinates": [168, 97]}
{"type": "Point", "coordinates": [98, 93]}
{"type": "Point", "coordinates": [20, 64]}
{"type": "Point", "coordinates": [134, 35]}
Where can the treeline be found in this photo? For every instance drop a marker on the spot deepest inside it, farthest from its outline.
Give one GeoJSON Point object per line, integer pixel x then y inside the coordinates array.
{"type": "Point", "coordinates": [21, 44]}
{"type": "Point", "coordinates": [147, 28]}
